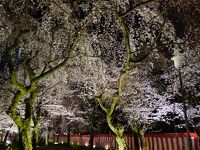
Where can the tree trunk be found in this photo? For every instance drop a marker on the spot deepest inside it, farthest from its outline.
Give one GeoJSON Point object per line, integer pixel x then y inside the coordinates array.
{"type": "Point", "coordinates": [139, 138]}
{"type": "Point", "coordinates": [35, 137]}
{"type": "Point", "coordinates": [25, 127]}
{"type": "Point", "coordinates": [25, 141]}
{"type": "Point", "coordinates": [143, 142]}
{"type": "Point", "coordinates": [47, 137]}
{"type": "Point", "coordinates": [118, 132]}
{"type": "Point", "coordinates": [36, 117]}
{"type": "Point", "coordinates": [68, 135]}
{"type": "Point", "coordinates": [136, 141]}
{"type": "Point", "coordinates": [121, 142]}
{"type": "Point", "coordinates": [20, 144]}
{"type": "Point", "coordinates": [91, 141]}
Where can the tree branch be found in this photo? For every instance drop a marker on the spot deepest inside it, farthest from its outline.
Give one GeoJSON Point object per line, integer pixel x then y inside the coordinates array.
{"type": "Point", "coordinates": [128, 49]}
{"type": "Point", "coordinates": [10, 62]}
{"type": "Point", "coordinates": [57, 5]}
{"type": "Point", "coordinates": [29, 69]}
{"type": "Point", "coordinates": [100, 99]}
{"type": "Point", "coordinates": [134, 7]}
{"type": "Point", "coordinates": [12, 108]}
{"type": "Point", "coordinates": [60, 65]}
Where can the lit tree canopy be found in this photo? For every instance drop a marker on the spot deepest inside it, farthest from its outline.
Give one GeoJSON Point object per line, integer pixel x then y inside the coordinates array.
{"type": "Point", "coordinates": [55, 52]}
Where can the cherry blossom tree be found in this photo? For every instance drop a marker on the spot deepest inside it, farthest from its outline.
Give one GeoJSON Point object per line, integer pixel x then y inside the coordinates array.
{"type": "Point", "coordinates": [153, 42]}
{"type": "Point", "coordinates": [124, 61]}
{"type": "Point", "coordinates": [41, 39]}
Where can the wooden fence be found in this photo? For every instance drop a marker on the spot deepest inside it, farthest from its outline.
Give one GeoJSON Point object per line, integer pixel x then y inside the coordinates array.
{"type": "Point", "coordinates": [173, 141]}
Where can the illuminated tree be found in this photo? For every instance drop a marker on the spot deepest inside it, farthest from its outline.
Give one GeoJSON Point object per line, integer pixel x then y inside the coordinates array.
{"type": "Point", "coordinates": [152, 41]}
{"type": "Point", "coordinates": [124, 59]}
{"type": "Point", "coordinates": [40, 40]}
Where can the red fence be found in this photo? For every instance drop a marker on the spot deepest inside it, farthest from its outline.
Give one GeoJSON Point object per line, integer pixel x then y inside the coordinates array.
{"type": "Point", "coordinates": [154, 141]}
{"type": "Point", "coordinates": [172, 141]}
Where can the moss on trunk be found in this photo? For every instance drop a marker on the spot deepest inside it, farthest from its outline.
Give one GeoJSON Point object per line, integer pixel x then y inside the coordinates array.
{"type": "Point", "coordinates": [118, 132]}
{"type": "Point", "coordinates": [121, 143]}
{"type": "Point", "coordinates": [25, 137]}
{"type": "Point", "coordinates": [143, 141]}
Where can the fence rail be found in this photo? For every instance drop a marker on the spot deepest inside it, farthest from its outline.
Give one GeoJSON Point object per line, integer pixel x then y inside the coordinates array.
{"type": "Point", "coordinates": [174, 141]}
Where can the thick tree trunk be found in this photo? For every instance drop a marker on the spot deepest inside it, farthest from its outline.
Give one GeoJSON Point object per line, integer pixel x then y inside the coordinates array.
{"type": "Point", "coordinates": [121, 142]}
{"type": "Point", "coordinates": [23, 123]}
{"type": "Point", "coordinates": [20, 144]}
{"type": "Point", "coordinates": [25, 127]}
{"type": "Point", "coordinates": [119, 131]}
{"type": "Point", "coordinates": [25, 138]}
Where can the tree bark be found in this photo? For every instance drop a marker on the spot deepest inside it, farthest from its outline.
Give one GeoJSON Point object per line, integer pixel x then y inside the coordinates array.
{"type": "Point", "coordinates": [35, 137]}
{"type": "Point", "coordinates": [91, 141]}
{"type": "Point", "coordinates": [118, 132]}
{"type": "Point", "coordinates": [25, 141]}
{"type": "Point", "coordinates": [36, 120]}
{"type": "Point", "coordinates": [143, 142]}
{"type": "Point", "coordinates": [68, 135]}
{"type": "Point", "coordinates": [136, 141]}
{"type": "Point", "coordinates": [121, 142]}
